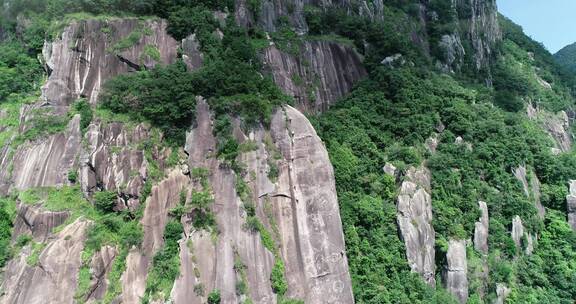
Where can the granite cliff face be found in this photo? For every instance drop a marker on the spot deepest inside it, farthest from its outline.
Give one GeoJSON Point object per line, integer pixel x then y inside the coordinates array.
{"type": "Point", "coordinates": [415, 222]}
{"type": "Point", "coordinates": [318, 75]}
{"type": "Point", "coordinates": [298, 208]}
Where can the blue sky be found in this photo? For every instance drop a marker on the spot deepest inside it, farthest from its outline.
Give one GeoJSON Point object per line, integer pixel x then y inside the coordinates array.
{"type": "Point", "coordinates": [552, 22]}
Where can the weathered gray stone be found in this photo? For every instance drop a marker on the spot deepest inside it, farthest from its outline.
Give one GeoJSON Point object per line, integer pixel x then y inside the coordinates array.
{"type": "Point", "coordinates": [517, 231]}
{"type": "Point", "coordinates": [532, 189]}
{"type": "Point", "coordinates": [54, 279]}
{"type": "Point", "coordinates": [502, 292]}
{"type": "Point", "coordinates": [37, 222]}
{"type": "Point", "coordinates": [318, 76]}
{"type": "Point", "coordinates": [163, 197]}
{"type": "Point", "coordinates": [47, 162]}
{"type": "Point", "coordinates": [191, 53]}
{"type": "Point", "coordinates": [571, 205]}
{"type": "Point", "coordinates": [415, 222]}
{"type": "Point", "coordinates": [454, 52]}
{"type": "Point", "coordinates": [390, 169]}
{"type": "Point", "coordinates": [100, 267]}
{"type": "Point", "coordinates": [81, 58]}
{"type": "Point", "coordinates": [481, 229]}
{"type": "Point", "coordinates": [456, 272]}
{"type": "Point", "coordinates": [558, 126]}
{"type": "Point", "coordinates": [299, 210]}
{"type": "Point", "coordinates": [308, 219]}
{"type": "Point", "coordinates": [110, 160]}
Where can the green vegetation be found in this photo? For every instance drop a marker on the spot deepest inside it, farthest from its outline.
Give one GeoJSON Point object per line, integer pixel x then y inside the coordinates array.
{"type": "Point", "coordinates": [41, 124]}
{"type": "Point", "coordinates": [83, 108]}
{"type": "Point", "coordinates": [34, 257]}
{"type": "Point", "coordinates": [19, 72]}
{"type": "Point", "coordinates": [105, 201]}
{"type": "Point", "coordinates": [566, 57]}
{"type": "Point", "coordinates": [165, 265]}
{"type": "Point", "coordinates": [214, 297]}
{"type": "Point", "coordinates": [7, 214]}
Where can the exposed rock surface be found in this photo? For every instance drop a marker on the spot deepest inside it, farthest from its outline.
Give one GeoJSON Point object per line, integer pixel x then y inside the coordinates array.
{"type": "Point", "coordinates": [456, 272]}
{"type": "Point", "coordinates": [163, 197]}
{"type": "Point", "coordinates": [454, 52]}
{"type": "Point", "coordinates": [321, 73]}
{"type": "Point", "coordinates": [79, 61]}
{"type": "Point", "coordinates": [517, 231]}
{"type": "Point", "coordinates": [110, 160]}
{"type": "Point", "coordinates": [54, 278]}
{"type": "Point", "coordinates": [571, 205]}
{"type": "Point", "coordinates": [481, 229]}
{"type": "Point", "coordinates": [521, 237]}
{"type": "Point", "coordinates": [47, 162]}
{"type": "Point", "coordinates": [191, 53]}
{"type": "Point", "coordinates": [100, 267]}
{"type": "Point", "coordinates": [531, 187]}
{"type": "Point", "coordinates": [502, 292]}
{"type": "Point", "coordinates": [35, 221]}
{"type": "Point", "coordinates": [86, 54]}
{"type": "Point", "coordinates": [299, 210]}
{"type": "Point", "coordinates": [415, 222]}
{"type": "Point", "coordinates": [558, 126]}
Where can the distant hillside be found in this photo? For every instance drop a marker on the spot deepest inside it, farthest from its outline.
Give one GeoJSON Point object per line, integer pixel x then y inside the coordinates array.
{"type": "Point", "coordinates": [566, 57]}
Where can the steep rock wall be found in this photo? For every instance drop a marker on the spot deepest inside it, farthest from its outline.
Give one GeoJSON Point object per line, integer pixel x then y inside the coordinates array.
{"type": "Point", "coordinates": [456, 272]}
{"type": "Point", "coordinates": [163, 197]}
{"type": "Point", "coordinates": [571, 205]}
{"type": "Point", "coordinates": [299, 210]}
{"type": "Point", "coordinates": [111, 160]}
{"type": "Point", "coordinates": [415, 222]}
{"type": "Point", "coordinates": [54, 278]}
{"type": "Point", "coordinates": [321, 73]}
{"type": "Point", "coordinates": [35, 221]}
{"type": "Point", "coordinates": [79, 61]}
{"type": "Point", "coordinates": [89, 52]}
{"type": "Point", "coordinates": [481, 229]}
{"type": "Point", "coordinates": [531, 186]}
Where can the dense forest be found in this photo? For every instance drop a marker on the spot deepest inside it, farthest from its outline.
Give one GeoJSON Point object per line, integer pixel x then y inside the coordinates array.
{"type": "Point", "coordinates": [473, 126]}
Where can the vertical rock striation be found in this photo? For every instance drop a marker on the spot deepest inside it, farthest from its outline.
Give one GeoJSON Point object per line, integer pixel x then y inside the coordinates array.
{"type": "Point", "coordinates": [481, 229]}
{"type": "Point", "coordinates": [318, 76]}
{"type": "Point", "coordinates": [415, 222]}
{"type": "Point", "coordinates": [571, 205]}
{"type": "Point", "coordinates": [456, 272]}
{"type": "Point", "coordinates": [53, 279]}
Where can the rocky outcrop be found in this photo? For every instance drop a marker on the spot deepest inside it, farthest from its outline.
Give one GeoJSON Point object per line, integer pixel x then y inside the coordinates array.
{"type": "Point", "coordinates": [481, 229]}
{"type": "Point", "coordinates": [37, 222]}
{"type": "Point", "coordinates": [91, 51]}
{"type": "Point", "coordinates": [308, 219]}
{"type": "Point", "coordinates": [558, 126]}
{"type": "Point", "coordinates": [46, 162]}
{"type": "Point", "coordinates": [453, 52]}
{"type": "Point", "coordinates": [415, 222]}
{"type": "Point", "coordinates": [54, 278]}
{"type": "Point", "coordinates": [517, 231]}
{"type": "Point", "coordinates": [299, 210]}
{"type": "Point", "coordinates": [318, 75]}
{"type": "Point", "coordinates": [531, 187]}
{"type": "Point", "coordinates": [85, 55]}
{"type": "Point", "coordinates": [456, 272]}
{"type": "Point", "coordinates": [571, 205]}
{"type": "Point", "coordinates": [521, 238]}
{"type": "Point", "coordinates": [110, 160]}
{"type": "Point", "coordinates": [163, 197]}
{"type": "Point", "coordinates": [502, 292]}
{"type": "Point", "coordinates": [191, 54]}
{"type": "Point", "coordinates": [100, 267]}
{"type": "Point", "coordinates": [482, 28]}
